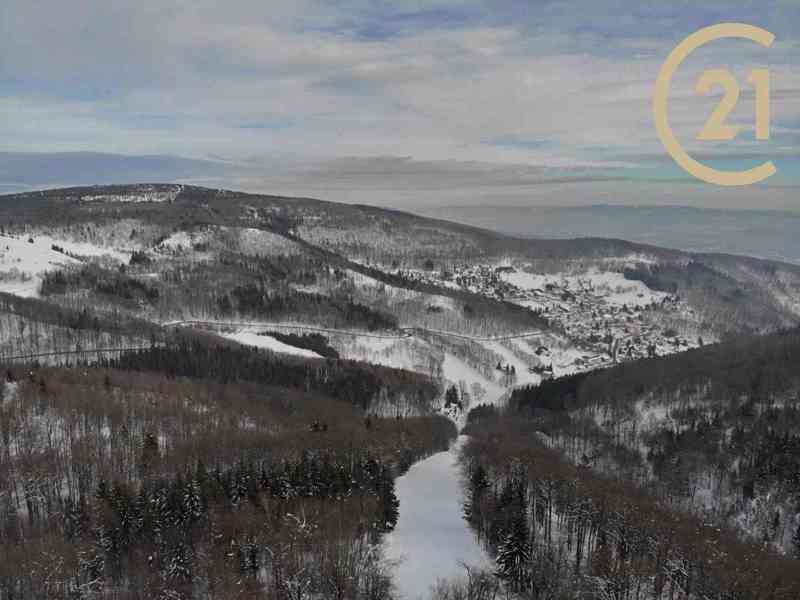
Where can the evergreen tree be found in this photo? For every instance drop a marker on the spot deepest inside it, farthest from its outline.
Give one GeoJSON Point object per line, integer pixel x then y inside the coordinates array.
{"type": "Point", "coordinates": [150, 454]}
{"type": "Point", "coordinates": [451, 396]}
{"type": "Point", "coordinates": [179, 561]}
{"type": "Point", "coordinates": [103, 492]}
{"type": "Point", "coordinates": [389, 503]}
{"type": "Point", "coordinates": [76, 519]}
{"type": "Point", "coordinates": [478, 484]}
{"type": "Point", "coordinates": [192, 500]}
{"type": "Point", "coordinates": [514, 554]}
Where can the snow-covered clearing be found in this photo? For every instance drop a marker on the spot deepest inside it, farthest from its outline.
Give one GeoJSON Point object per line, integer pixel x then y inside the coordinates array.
{"type": "Point", "coordinates": [432, 540]}
{"type": "Point", "coordinates": [365, 282]}
{"type": "Point", "coordinates": [251, 338]}
{"type": "Point", "coordinates": [524, 377]}
{"type": "Point", "coordinates": [182, 241]}
{"type": "Point", "coordinates": [82, 249]}
{"type": "Point", "coordinates": [455, 370]}
{"type": "Point", "coordinates": [22, 264]}
{"type": "Point", "coordinates": [400, 353]}
{"type": "Point", "coordinates": [611, 286]}
{"type": "Point", "coordinates": [265, 243]}
{"type": "Point", "coordinates": [24, 259]}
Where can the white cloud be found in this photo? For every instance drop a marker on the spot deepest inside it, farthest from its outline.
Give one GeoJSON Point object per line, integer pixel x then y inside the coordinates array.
{"type": "Point", "coordinates": [259, 78]}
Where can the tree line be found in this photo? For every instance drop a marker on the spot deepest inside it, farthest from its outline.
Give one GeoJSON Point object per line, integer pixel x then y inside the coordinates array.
{"type": "Point", "coordinates": [258, 302]}
{"type": "Point", "coordinates": [357, 383]}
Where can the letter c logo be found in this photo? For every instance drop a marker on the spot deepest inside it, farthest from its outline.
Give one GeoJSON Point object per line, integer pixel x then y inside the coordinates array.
{"type": "Point", "coordinates": [661, 94]}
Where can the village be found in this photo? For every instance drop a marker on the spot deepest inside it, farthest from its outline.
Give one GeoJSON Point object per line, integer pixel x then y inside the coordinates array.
{"type": "Point", "coordinates": [609, 318]}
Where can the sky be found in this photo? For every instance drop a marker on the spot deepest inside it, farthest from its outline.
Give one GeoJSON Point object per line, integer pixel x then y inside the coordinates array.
{"type": "Point", "coordinates": [422, 101]}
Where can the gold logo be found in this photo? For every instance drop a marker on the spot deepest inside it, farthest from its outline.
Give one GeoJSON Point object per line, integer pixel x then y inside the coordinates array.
{"type": "Point", "coordinates": [715, 128]}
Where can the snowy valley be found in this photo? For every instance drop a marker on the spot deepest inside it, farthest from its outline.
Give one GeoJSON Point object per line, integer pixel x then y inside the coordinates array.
{"type": "Point", "coordinates": [250, 355]}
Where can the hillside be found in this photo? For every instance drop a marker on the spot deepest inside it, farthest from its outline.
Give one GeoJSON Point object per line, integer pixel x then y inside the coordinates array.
{"type": "Point", "coordinates": [667, 476]}
{"type": "Point", "coordinates": [251, 359]}
{"type": "Point", "coordinates": [116, 480]}
{"type": "Point", "coordinates": [731, 293]}
{"type": "Point", "coordinates": [713, 431]}
{"type": "Point", "coordinates": [468, 307]}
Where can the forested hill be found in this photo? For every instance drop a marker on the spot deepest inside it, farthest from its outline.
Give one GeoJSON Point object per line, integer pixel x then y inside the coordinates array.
{"type": "Point", "coordinates": [715, 431]}
{"type": "Point", "coordinates": [731, 293]}
{"type": "Point", "coordinates": [124, 484]}
{"type": "Point", "coordinates": [745, 370]}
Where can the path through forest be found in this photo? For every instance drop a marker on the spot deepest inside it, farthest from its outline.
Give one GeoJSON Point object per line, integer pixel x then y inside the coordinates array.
{"type": "Point", "coordinates": [431, 540]}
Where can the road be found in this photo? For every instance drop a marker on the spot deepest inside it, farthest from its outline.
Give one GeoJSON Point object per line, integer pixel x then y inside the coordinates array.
{"type": "Point", "coordinates": [406, 331]}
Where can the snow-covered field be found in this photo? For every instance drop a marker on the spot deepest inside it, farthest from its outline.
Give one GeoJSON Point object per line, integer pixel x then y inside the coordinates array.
{"type": "Point", "coordinates": [22, 263]}
{"type": "Point", "coordinates": [398, 294]}
{"type": "Point", "coordinates": [399, 353]}
{"type": "Point", "coordinates": [265, 243]}
{"type": "Point", "coordinates": [612, 286]}
{"type": "Point", "coordinates": [200, 241]}
{"type": "Point", "coordinates": [509, 358]}
{"type": "Point", "coordinates": [249, 337]}
{"type": "Point", "coordinates": [455, 370]}
{"type": "Point", "coordinates": [24, 259]}
{"type": "Point", "coordinates": [82, 249]}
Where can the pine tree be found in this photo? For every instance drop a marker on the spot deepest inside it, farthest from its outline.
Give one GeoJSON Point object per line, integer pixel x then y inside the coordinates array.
{"type": "Point", "coordinates": [103, 492]}
{"type": "Point", "coordinates": [150, 453]}
{"type": "Point", "coordinates": [514, 554]}
{"type": "Point", "coordinates": [76, 519]}
{"type": "Point", "coordinates": [160, 513]}
{"type": "Point", "coordinates": [451, 396]}
{"type": "Point", "coordinates": [389, 503]}
{"type": "Point", "coordinates": [192, 501]}
{"type": "Point", "coordinates": [478, 484]}
{"type": "Point", "coordinates": [179, 561]}
{"type": "Point", "coordinates": [796, 541]}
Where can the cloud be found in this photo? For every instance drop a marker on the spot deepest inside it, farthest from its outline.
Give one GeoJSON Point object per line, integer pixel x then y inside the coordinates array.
{"type": "Point", "coordinates": [507, 83]}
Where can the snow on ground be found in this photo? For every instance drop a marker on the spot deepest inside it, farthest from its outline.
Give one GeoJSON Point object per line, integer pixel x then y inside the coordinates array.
{"type": "Point", "coordinates": [365, 281]}
{"type": "Point", "coordinates": [22, 264]}
{"type": "Point", "coordinates": [455, 370]}
{"type": "Point", "coordinates": [260, 242]}
{"type": "Point", "coordinates": [143, 194]}
{"type": "Point", "coordinates": [181, 240]}
{"type": "Point", "coordinates": [82, 249]}
{"type": "Point", "coordinates": [247, 240]}
{"type": "Point", "coordinates": [432, 541]}
{"type": "Point", "coordinates": [631, 259]}
{"type": "Point", "coordinates": [616, 289]}
{"type": "Point", "coordinates": [398, 293]}
{"type": "Point", "coordinates": [249, 337]}
{"type": "Point", "coordinates": [612, 286]}
{"type": "Point", "coordinates": [399, 353]}
{"type": "Point", "coordinates": [524, 377]}
{"type": "Point", "coordinates": [530, 281]}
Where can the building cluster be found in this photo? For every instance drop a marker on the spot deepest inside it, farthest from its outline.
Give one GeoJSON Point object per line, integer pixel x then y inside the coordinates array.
{"type": "Point", "coordinates": [606, 327]}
